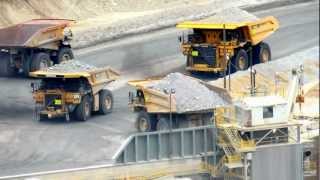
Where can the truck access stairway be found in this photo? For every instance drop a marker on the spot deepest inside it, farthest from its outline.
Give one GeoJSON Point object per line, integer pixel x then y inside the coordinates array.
{"type": "Point", "coordinates": [231, 143]}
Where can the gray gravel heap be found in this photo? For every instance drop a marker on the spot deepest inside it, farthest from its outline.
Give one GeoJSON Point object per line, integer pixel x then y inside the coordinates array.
{"type": "Point", "coordinates": [71, 66]}
{"type": "Point", "coordinates": [231, 15]}
{"type": "Point", "coordinates": [190, 94]}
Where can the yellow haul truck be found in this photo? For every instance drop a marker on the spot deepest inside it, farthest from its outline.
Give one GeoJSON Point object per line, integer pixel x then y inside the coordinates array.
{"type": "Point", "coordinates": [34, 45]}
{"type": "Point", "coordinates": [73, 94]}
{"type": "Point", "coordinates": [188, 103]}
{"type": "Point", "coordinates": [211, 46]}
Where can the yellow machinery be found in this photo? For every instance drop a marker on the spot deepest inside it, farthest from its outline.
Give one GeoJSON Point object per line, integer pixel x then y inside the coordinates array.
{"type": "Point", "coordinates": [34, 45]}
{"type": "Point", "coordinates": [158, 110]}
{"type": "Point", "coordinates": [212, 46]}
{"type": "Point", "coordinates": [76, 94]}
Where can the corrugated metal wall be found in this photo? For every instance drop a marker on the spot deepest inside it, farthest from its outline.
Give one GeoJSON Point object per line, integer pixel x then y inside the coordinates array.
{"type": "Point", "coordinates": [278, 162]}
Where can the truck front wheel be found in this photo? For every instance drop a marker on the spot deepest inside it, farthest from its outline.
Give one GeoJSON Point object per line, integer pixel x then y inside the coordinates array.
{"type": "Point", "coordinates": [40, 61]}
{"type": "Point", "coordinates": [144, 122]}
{"type": "Point", "coordinates": [105, 101]}
{"type": "Point", "coordinates": [83, 110]}
{"type": "Point", "coordinates": [5, 69]}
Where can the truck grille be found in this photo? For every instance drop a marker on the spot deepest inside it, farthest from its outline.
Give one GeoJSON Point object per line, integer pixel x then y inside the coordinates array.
{"type": "Point", "coordinates": [53, 101]}
{"type": "Point", "coordinates": [206, 55]}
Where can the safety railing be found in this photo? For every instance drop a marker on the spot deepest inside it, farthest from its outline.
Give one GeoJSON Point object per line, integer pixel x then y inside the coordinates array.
{"type": "Point", "coordinates": [225, 116]}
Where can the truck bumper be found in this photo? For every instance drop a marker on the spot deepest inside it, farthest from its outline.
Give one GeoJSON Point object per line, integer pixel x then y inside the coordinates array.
{"type": "Point", "coordinates": [53, 114]}
{"type": "Point", "coordinates": [203, 68]}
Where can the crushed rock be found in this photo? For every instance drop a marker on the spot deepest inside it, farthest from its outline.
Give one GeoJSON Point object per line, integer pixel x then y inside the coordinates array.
{"type": "Point", "coordinates": [231, 15]}
{"type": "Point", "coordinates": [71, 66]}
{"type": "Point", "coordinates": [190, 94]}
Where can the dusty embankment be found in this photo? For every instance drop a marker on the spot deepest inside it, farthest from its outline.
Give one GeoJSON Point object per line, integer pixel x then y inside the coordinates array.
{"type": "Point", "coordinates": [102, 20]}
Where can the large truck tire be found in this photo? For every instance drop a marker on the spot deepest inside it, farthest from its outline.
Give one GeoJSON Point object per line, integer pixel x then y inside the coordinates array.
{"type": "Point", "coordinates": [105, 101]}
{"type": "Point", "coordinates": [261, 53]}
{"type": "Point", "coordinates": [240, 61]}
{"type": "Point", "coordinates": [83, 110]}
{"type": "Point", "coordinates": [5, 69]}
{"type": "Point", "coordinates": [40, 61]}
{"type": "Point", "coordinates": [64, 54]}
{"type": "Point", "coordinates": [143, 122]}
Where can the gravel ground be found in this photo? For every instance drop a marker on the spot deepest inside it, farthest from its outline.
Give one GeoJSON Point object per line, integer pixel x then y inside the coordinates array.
{"type": "Point", "coordinates": [189, 93]}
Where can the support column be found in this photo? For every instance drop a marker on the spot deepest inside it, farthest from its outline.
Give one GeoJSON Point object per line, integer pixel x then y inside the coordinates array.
{"type": "Point", "coordinates": [245, 168]}
{"type": "Point", "coordinates": [298, 134]}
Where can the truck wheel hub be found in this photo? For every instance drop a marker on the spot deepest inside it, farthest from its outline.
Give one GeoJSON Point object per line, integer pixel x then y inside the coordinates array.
{"type": "Point", "coordinates": [242, 64]}
{"type": "Point", "coordinates": [108, 102]}
{"type": "Point", "coordinates": [87, 109]}
{"type": "Point", "coordinates": [65, 57]}
{"type": "Point", "coordinates": [43, 64]}
{"type": "Point", "coordinates": [143, 124]}
{"type": "Point", "coordinates": [265, 56]}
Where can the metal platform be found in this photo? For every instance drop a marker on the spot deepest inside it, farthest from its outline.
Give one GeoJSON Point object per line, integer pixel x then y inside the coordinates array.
{"type": "Point", "coordinates": [164, 145]}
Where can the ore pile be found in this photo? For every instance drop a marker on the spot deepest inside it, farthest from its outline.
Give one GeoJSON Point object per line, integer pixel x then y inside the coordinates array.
{"type": "Point", "coordinates": [190, 94]}
{"type": "Point", "coordinates": [71, 67]}
{"type": "Point", "coordinates": [231, 15]}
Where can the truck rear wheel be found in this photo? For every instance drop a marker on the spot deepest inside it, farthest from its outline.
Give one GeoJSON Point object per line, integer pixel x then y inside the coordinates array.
{"type": "Point", "coordinates": [264, 52]}
{"type": "Point", "coordinates": [240, 60]}
{"type": "Point", "coordinates": [64, 54]}
{"type": "Point", "coordinates": [83, 110]}
{"type": "Point", "coordinates": [144, 122]}
{"type": "Point", "coordinates": [40, 61]}
{"type": "Point", "coordinates": [5, 69]}
{"type": "Point", "coordinates": [105, 101]}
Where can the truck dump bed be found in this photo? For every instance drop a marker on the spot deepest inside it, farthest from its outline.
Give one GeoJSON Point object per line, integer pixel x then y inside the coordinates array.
{"type": "Point", "coordinates": [255, 30]}
{"type": "Point", "coordinates": [33, 33]}
{"type": "Point", "coordinates": [96, 77]}
{"type": "Point", "coordinates": [189, 94]}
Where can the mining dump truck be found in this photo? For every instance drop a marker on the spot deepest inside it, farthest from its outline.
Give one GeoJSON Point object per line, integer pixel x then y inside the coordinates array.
{"type": "Point", "coordinates": [71, 89]}
{"type": "Point", "coordinates": [211, 46]}
{"type": "Point", "coordinates": [34, 45]}
{"type": "Point", "coordinates": [174, 101]}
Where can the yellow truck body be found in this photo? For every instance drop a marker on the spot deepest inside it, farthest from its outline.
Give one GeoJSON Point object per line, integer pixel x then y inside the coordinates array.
{"type": "Point", "coordinates": [156, 108]}
{"type": "Point", "coordinates": [207, 53]}
{"type": "Point", "coordinates": [154, 101]}
{"type": "Point", "coordinates": [59, 93]}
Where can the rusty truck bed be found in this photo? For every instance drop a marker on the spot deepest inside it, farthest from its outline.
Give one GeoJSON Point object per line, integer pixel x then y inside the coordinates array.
{"type": "Point", "coordinates": [30, 33]}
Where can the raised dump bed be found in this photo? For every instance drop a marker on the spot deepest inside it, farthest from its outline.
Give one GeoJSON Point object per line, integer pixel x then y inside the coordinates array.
{"type": "Point", "coordinates": [226, 40]}
{"type": "Point", "coordinates": [174, 101]}
{"type": "Point", "coordinates": [34, 45]}
{"type": "Point", "coordinates": [73, 89]}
